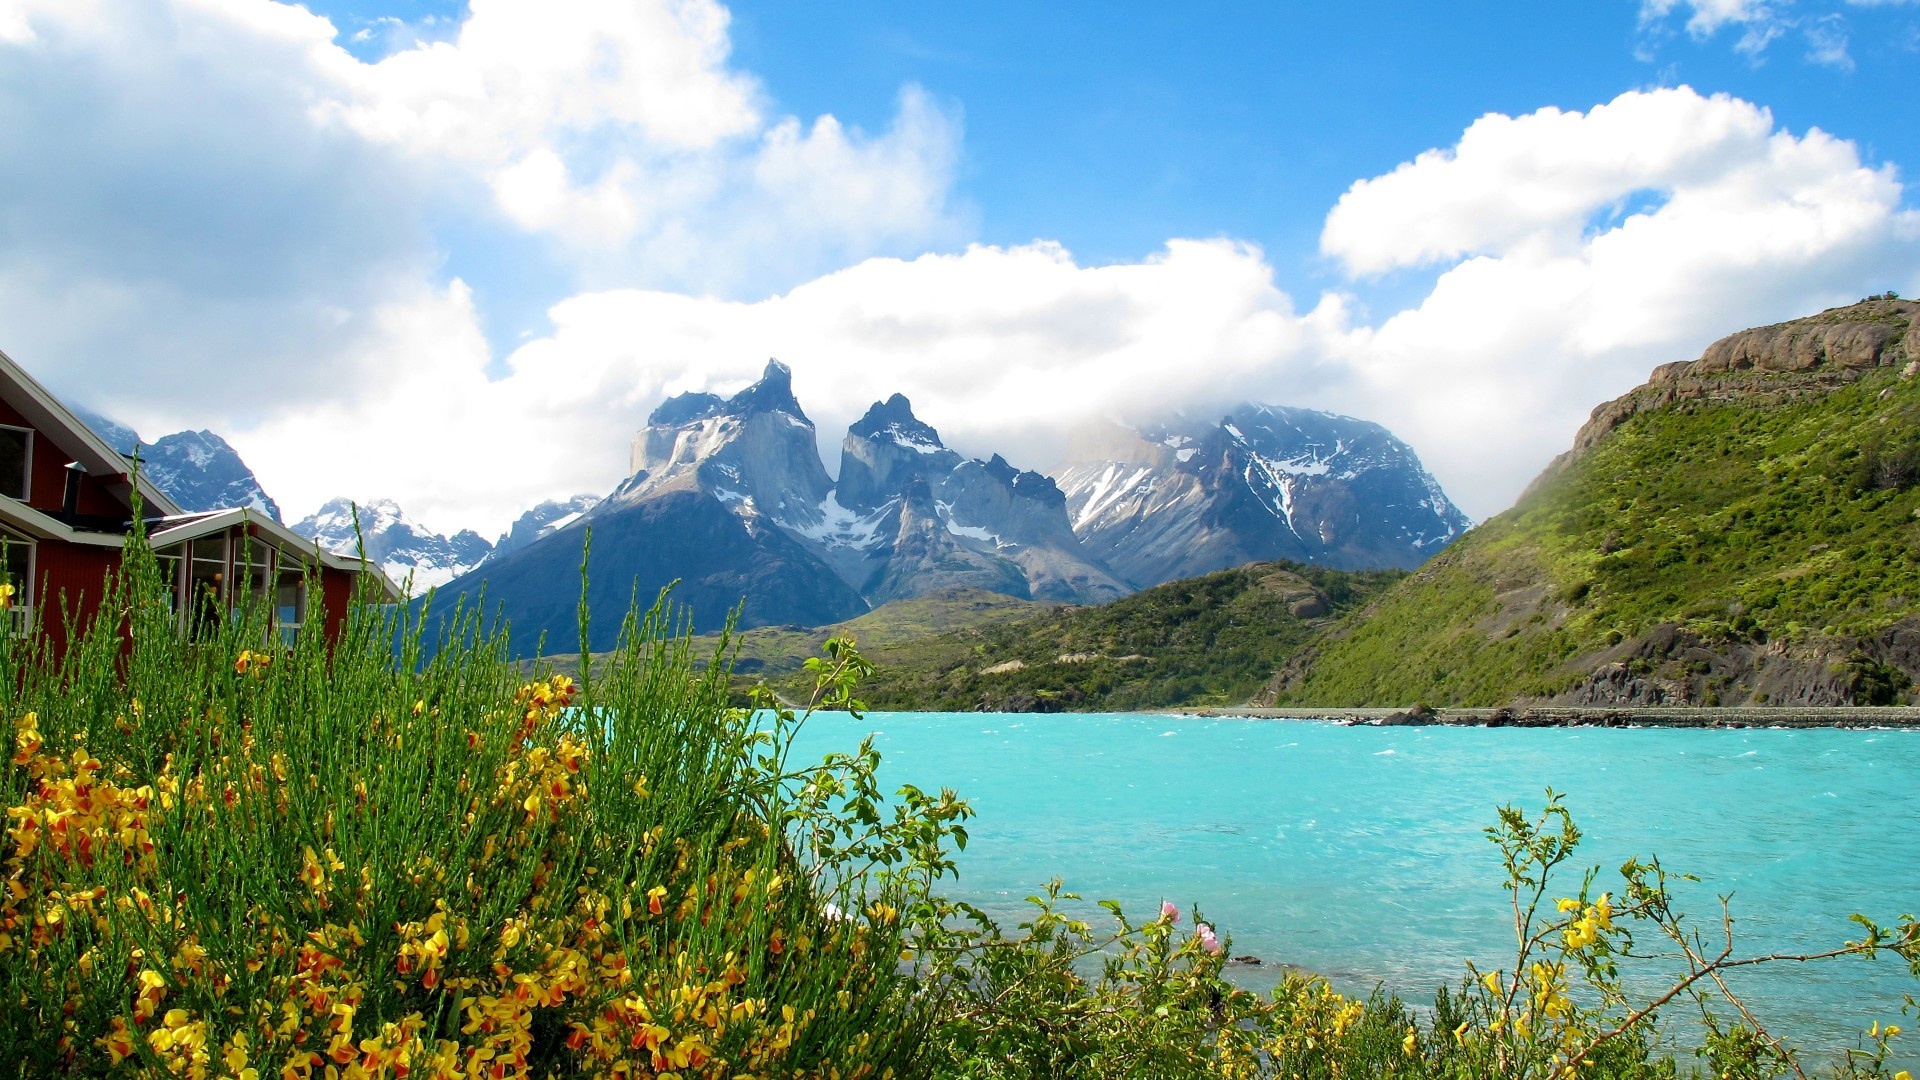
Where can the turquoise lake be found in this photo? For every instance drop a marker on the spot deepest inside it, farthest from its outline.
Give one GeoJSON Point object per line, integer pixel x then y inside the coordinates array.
{"type": "Point", "coordinates": [1358, 852]}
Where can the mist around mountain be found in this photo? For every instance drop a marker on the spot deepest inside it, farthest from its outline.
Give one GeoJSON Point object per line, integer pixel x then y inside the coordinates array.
{"type": "Point", "coordinates": [1742, 529]}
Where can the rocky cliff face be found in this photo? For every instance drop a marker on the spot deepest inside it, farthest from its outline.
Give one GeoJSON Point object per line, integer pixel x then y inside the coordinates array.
{"type": "Point", "coordinates": [1764, 365]}
{"type": "Point", "coordinates": [405, 549]}
{"type": "Point", "coordinates": [755, 450]}
{"type": "Point", "coordinates": [909, 516]}
{"type": "Point", "coordinates": [1191, 496]}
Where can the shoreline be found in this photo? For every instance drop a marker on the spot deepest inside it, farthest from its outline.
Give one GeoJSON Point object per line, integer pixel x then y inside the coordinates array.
{"type": "Point", "coordinates": [1757, 716]}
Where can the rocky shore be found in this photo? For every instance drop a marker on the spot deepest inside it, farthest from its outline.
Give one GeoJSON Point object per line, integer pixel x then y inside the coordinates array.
{"type": "Point", "coordinates": [1590, 716]}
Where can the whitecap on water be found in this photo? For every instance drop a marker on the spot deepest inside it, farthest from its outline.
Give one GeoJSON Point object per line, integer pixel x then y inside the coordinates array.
{"type": "Point", "coordinates": [1164, 734]}
{"type": "Point", "coordinates": [1383, 753]}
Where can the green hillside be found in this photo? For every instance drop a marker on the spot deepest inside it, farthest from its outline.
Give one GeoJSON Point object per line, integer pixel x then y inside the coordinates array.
{"type": "Point", "coordinates": [1206, 640]}
{"type": "Point", "coordinates": [1742, 529]}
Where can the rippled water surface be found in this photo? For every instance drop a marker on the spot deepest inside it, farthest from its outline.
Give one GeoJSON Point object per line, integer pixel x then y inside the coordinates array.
{"type": "Point", "coordinates": [1359, 853]}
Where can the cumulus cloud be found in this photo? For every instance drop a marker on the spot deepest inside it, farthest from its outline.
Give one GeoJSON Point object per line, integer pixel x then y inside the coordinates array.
{"type": "Point", "coordinates": [1548, 301]}
{"type": "Point", "coordinates": [1568, 299]}
{"type": "Point", "coordinates": [206, 205]}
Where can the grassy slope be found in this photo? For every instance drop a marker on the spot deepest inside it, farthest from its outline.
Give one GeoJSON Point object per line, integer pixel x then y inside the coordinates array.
{"type": "Point", "coordinates": [1210, 639]}
{"type": "Point", "coordinates": [1740, 521]}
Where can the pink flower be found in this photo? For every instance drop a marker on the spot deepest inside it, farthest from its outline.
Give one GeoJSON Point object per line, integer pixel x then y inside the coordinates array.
{"type": "Point", "coordinates": [1168, 912]}
{"type": "Point", "coordinates": [1207, 940]}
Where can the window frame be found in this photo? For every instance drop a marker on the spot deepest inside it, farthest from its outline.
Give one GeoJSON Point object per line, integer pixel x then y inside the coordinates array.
{"type": "Point", "coordinates": [26, 462]}
{"type": "Point", "coordinates": [19, 617]}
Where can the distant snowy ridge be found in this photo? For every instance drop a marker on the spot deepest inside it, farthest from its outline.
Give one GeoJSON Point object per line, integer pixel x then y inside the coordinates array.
{"type": "Point", "coordinates": [403, 548]}
{"type": "Point", "coordinates": [1188, 496]}
{"type": "Point", "coordinates": [406, 549]}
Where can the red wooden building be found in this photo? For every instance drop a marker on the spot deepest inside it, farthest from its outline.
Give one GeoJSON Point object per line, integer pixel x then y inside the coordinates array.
{"type": "Point", "coordinates": [66, 511]}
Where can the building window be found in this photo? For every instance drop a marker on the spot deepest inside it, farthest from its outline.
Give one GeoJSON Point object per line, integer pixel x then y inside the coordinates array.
{"type": "Point", "coordinates": [168, 560]}
{"type": "Point", "coordinates": [206, 584]}
{"type": "Point", "coordinates": [290, 601]}
{"type": "Point", "coordinates": [17, 564]}
{"type": "Point", "coordinates": [16, 461]}
{"type": "Point", "coordinates": [252, 571]}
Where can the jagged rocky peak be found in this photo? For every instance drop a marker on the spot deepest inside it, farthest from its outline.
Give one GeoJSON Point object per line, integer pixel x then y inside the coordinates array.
{"type": "Point", "coordinates": [754, 451]}
{"type": "Point", "coordinates": [1018, 506]}
{"type": "Point", "coordinates": [885, 452]}
{"type": "Point", "coordinates": [200, 471]}
{"type": "Point", "coordinates": [1186, 496]}
{"type": "Point", "coordinates": [403, 548]}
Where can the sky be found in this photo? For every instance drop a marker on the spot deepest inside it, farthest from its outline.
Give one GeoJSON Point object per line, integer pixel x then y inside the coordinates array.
{"type": "Point", "coordinates": [453, 253]}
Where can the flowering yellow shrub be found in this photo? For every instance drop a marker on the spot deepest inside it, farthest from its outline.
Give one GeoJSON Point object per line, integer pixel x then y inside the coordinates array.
{"type": "Point", "coordinates": [226, 861]}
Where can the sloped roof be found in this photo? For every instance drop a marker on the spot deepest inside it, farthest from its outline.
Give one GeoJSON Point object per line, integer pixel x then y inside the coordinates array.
{"type": "Point", "coordinates": [56, 422]}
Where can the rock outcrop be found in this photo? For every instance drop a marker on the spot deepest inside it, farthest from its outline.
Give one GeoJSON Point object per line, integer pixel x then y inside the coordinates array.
{"type": "Point", "coordinates": [1775, 363]}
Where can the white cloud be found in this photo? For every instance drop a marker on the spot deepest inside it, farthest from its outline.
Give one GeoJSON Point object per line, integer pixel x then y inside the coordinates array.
{"type": "Point", "coordinates": [1536, 180]}
{"type": "Point", "coordinates": [1537, 315]}
{"type": "Point", "coordinates": [206, 203]}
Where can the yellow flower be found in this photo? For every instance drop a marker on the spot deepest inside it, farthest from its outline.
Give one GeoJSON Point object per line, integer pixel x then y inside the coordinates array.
{"type": "Point", "coordinates": [6, 597]}
{"type": "Point", "coordinates": [1411, 1043]}
{"type": "Point", "coordinates": [250, 661]}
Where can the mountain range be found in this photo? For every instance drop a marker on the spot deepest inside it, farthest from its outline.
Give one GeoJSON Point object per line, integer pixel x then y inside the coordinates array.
{"type": "Point", "coordinates": [728, 498]}
{"type": "Point", "coordinates": [411, 552]}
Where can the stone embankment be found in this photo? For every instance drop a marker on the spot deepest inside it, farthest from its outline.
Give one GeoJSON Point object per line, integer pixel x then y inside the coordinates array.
{"type": "Point", "coordinates": [1568, 716]}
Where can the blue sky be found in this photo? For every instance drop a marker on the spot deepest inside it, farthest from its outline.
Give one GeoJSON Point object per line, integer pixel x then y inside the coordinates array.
{"type": "Point", "coordinates": [1110, 127]}
{"type": "Point", "coordinates": [482, 243]}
